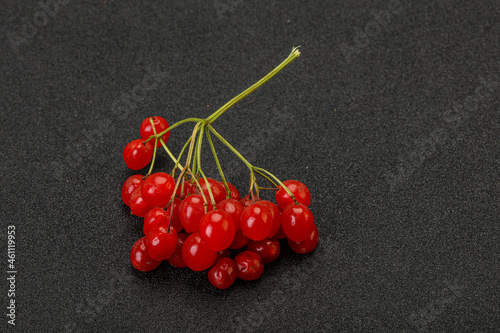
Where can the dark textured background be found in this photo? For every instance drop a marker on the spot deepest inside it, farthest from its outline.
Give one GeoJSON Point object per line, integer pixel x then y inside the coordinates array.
{"type": "Point", "coordinates": [393, 126]}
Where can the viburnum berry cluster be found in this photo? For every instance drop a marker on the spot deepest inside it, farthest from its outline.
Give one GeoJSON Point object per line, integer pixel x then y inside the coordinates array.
{"type": "Point", "coordinates": [191, 220]}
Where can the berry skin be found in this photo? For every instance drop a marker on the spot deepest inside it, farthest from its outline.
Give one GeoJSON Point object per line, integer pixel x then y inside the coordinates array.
{"type": "Point", "coordinates": [235, 194]}
{"type": "Point", "coordinates": [239, 240]}
{"type": "Point", "coordinates": [140, 258]}
{"type": "Point", "coordinates": [196, 255]}
{"type": "Point", "coordinates": [176, 222]}
{"type": "Point", "coordinates": [297, 222]}
{"type": "Point", "coordinates": [158, 188]}
{"type": "Point", "coordinates": [191, 211]}
{"type": "Point", "coordinates": [276, 214]}
{"type": "Point", "coordinates": [247, 201]}
{"type": "Point", "coordinates": [267, 249]}
{"type": "Point", "coordinates": [223, 274]}
{"type": "Point", "coordinates": [217, 230]}
{"type": "Point", "coordinates": [161, 242]}
{"type": "Point", "coordinates": [234, 209]}
{"type": "Point", "coordinates": [280, 234]}
{"type": "Point", "coordinates": [160, 123]}
{"type": "Point", "coordinates": [224, 253]}
{"type": "Point", "coordinates": [218, 190]}
{"type": "Point", "coordinates": [156, 216]}
{"type": "Point", "coordinates": [138, 206]}
{"type": "Point", "coordinates": [307, 245]}
{"type": "Point", "coordinates": [250, 266]}
{"type": "Point", "coordinates": [137, 154]}
{"type": "Point", "coordinates": [176, 259]}
{"type": "Point", "coordinates": [299, 190]}
{"type": "Point", "coordinates": [129, 186]}
{"type": "Point", "coordinates": [256, 221]}
{"type": "Point", "coordinates": [189, 188]}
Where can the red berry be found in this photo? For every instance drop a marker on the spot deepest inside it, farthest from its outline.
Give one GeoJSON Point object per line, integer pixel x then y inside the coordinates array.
{"type": "Point", "coordinates": [235, 194]}
{"type": "Point", "coordinates": [137, 155]}
{"type": "Point", "coordinates": [250, 266]}
{"type": "Point", "coordinates": [224, 253]}
{"type": "Point", "coordinates": [276, 214]}
{"type": "Point", "coordinates": [256, 221]}
{"type": "Point", "coordinates": [160, 125]}
{"type": "Point", "coordinates": [298, 189]}
{"type": "Point", "coordinates": [161, 242]}
{"type": "Point", "coordinates": [156, 216]}
{"type": "Point", "coordinates": [140, 258]}
{"type": "Point", "coordinates": [307, 245]}
{"type": "Point", "coordinates": [234, 209]}
{"type": "Point", "coordinates": [189, 188]}
{"type": "Point", "coordinates": [196, 255]}
{"type": "Point", "coordinates": [176, 222]}
{"type": "Point", "coordinates": [218, 190]}
{"type": "Point", "coordinates": [158, 188]}
{"type": "Point", "coordinates": [191, 211]}
{"type": "Point", "coordinates": [297, 222]}
{"type": "Point", "coordinates": [129, 186]}
{"type": "Point", "coordinates": [176, 259]}
{"type": "Point", "coordinates": [138, 206]}
{"type": "Point", "coordinates": [217, 230]}
{"type": "Point", "coordinates": [239, 240]}
{"type": "Point", "coordinates": [280, 234]}
{"type": "Point", "coordinates": [223, 274]}
{"type": "Point", "coordinates": [267, 249]}
{"type": "Point", "coordinates": [247, 201]}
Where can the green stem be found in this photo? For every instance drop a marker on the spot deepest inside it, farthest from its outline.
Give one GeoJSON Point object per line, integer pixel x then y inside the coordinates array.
{"type": "Point", "coordinates": [170, 154]}
{"type": "Point", "coordinates": [279, 181]}
{"type": "Point", "coordinates": [293, 55]}
{"type": "Point", "coordinates": [250, 166]}
{"type": "Point", "coordinates": [174, 126]}
{"type": "Point", "coordinates": [154, 151]}
{"type": "Point", "coordinates": [266, 177]}
{"type": "Point", "coordinates": [209, 138]}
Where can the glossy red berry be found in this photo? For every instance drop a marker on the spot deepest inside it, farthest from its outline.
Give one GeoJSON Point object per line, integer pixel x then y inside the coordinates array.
{"type": "Point", "coordinates": [187, 189]}
{"type": "Point", "coordinates": [235, 194]}
{"type": "Point", "coordinates": [160, 123]}
{"type": "Point", "coordinates": [298, 189]}
{"type": "Point", "coordinates": [176, 259]}
{"type": "Point", "coordinates": [218, 190]}
{"type": "Point", "coordinates": [140, 258]}
{"type": "Point", "coordinates": [276, 215]}
{"type": "Point", "coordinates": [156, 216]}
{"type": "Point", "coordinates": [224, 253]}
{"type": "Point", "coordinates": [191, 211]}
{"type": "Point", "coordinates": [161, 242]}
{"type": "Point", "coordinates": [176, 221]}
{"type": "Point", "coordinates": [234, 209]}
{"type": "Point", "coordinates": [158, 188]}
{"type": "Point", "coordinates": [247, 201]}
{"type": "Point", "coordinates": [196, 255]}
{"type": "Point", "coordinates": [256, 221]}
{"type": "Point", "coordinates": [297, 222]}
{"type": "Point", "coordinates": [267, 249]}
{"type": "Point", "coordinates": [239, 240]}
{"type": "Point", "coordinates": [280, 234]}
{"type": "Point", "coordinates": [129, 186]}
{"type": "Point", "coordinates": [137, 155]}
{"type": "Point", "coordinates": [223, 274]}
{"type": "Point", "coordinates": [250, 266]}
{"type": "Point", "coordinates": [137, 204]}
{"type": "Point", "coordinates": [217, 230]}
{"type": "Point", "coordinates": [307, 245]}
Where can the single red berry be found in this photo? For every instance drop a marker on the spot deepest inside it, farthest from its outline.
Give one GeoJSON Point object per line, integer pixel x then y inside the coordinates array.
{"type": "Point", "coordinates": [239, 240]}
{"type": "Point", "coordinates": [140, 258]}
{"type": "Point", "coordinates": [234, 209]}
{"type": "Point", "coordinates": [280, 234]}
{"type": "Point", "coordinates": [256, 221]}
{"type": "Point", "coordinates": [156, 216]}
{"type": "Point", "coordinates": [176, 222]}
{"type": "Point", "coordinates": [138, 206]}
{"type": "Point", "coordinates": [250, 266]}
{"type": "Point", "coordinates": [307, 245]}
{"type": "Point", "coordinates": [137, 154]}
{"type": "Point", "coordinates": [247, 201]}
{"type": "Point", "coordinates": [298, 189]}
{"type": "Point", "coordinates": [176, 259]}
{"type": "Point", "coordinates": [276, 214]}
{"type": "Point", "coordinates": [129, 186]}
{"type": "Point", "coordinates": [191, 211]}
{"type": "Point", "coordinates": [187, 189]}
{"type": "Point", "coordinates": [224, 253]}
{"type": "Point", "coordinates": [297, 222]}
{"type": "Point", "coordinates": [196, 255]}
{"type": "Point", "coordinates": [223, 274]}
{"type": "Point", "coordinates": [267, 249]}
{"type": "Point", "coordinates": [158, 188]}
{"type": "Point", "coordinates": [160, 125]}
{"type": "Point", "coordinates": [162, 242]}
{"type": "Point", "coordinates": [218, 190]}
{"type": "Point", "coordinates": [217, 230]}
{"type": "Point", "coordinates": [235, 194]}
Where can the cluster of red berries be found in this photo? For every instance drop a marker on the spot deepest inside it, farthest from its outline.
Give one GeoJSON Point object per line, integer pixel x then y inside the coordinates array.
{"type": "Point", "coordinates": [211, 232]}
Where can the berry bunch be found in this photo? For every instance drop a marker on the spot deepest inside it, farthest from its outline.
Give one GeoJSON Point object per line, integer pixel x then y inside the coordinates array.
{"type": "Point", "coordinates": [198, 222]}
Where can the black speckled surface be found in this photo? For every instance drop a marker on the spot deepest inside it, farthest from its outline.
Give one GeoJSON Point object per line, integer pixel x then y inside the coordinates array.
{"type": "Point", "coordinates": [394, 126]}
